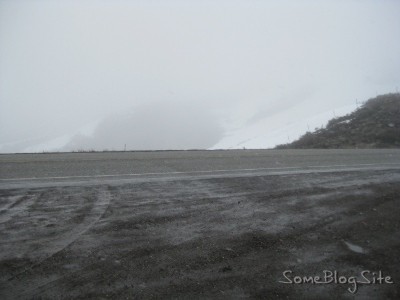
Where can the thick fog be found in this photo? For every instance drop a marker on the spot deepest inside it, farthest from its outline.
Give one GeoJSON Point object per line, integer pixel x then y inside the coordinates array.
{"type": "Point", "coordinates": [184, 74]}
{"type": "Point", "coordinates": [163, 125]}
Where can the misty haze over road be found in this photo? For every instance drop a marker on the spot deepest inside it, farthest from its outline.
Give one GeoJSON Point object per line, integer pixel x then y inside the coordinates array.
{"type": "Point", "coordinates": [95, 75]}
{"type": "Point", "coordinates": [153, 127]}
{"type": "Point", "coordinates": [77, 75]}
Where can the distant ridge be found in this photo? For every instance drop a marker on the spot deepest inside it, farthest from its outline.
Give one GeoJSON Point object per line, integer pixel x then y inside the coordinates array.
{"type": "Point", "coordinates": [376, 124]}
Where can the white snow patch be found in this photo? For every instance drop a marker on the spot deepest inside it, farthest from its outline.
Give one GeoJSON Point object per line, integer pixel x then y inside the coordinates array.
{"type": "Point", "coordinates": [58, 143]}
{"type": "Point", "coordinates": [354, 248]}
{"type": "Point", "coordinates": [344, 122]}
{"type": "Point", "coordinates": [278, 129]}
{"type": "Point", "coordinates": [51, 145]}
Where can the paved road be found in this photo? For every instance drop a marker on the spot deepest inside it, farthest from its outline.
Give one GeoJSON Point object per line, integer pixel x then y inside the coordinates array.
{"type": "Point", "coordinates": [18, 170]}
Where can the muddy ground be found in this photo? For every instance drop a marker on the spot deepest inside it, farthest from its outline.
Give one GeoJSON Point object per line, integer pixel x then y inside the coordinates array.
{"type": "Point", "coordinates": [219, 238]}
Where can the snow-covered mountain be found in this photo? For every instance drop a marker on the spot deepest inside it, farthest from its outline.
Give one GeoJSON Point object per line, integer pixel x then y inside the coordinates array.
{"type": "Point", "coordinates": [265, 132]}
{"type": "Point", "coordinates": [278, 129]}
{"type": "Point", "coordinates": [48, 143]}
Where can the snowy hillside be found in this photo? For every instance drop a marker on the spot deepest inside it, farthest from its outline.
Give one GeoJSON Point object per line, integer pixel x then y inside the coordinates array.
{"type": "Point", "coordinates": [374, 125]}
{"type": "Point", "coordinates": [47, 143]}
{"type": "Point", "coordinates": [279, 129]}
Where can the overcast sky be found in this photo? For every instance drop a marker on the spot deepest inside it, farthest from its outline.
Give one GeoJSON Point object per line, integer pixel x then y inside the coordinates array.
{"type": "Point", "coordinates": [64, 64]}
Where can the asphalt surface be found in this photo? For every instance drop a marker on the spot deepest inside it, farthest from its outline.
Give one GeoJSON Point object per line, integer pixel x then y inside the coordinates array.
{"type": "Point", "coordinates": [75, 168]}
{"type": "Point", "coordinates": [199, 224]}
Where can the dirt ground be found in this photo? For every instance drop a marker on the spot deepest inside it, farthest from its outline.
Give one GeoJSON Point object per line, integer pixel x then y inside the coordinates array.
{"type": "Point", "coordinates": [220, 238]}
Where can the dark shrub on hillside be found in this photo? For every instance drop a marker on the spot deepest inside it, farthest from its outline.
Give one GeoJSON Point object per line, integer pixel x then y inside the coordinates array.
{"type": "Point", "coordinates": [376, 124]}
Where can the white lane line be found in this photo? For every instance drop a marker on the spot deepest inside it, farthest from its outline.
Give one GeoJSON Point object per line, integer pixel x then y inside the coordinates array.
{"type": "Point", "coordinates": [144, 174]}
{"type": "Point", "coordinates": [195, 172]}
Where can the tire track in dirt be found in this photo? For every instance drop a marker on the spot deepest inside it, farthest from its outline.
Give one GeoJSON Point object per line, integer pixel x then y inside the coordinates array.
{"type": "Point", "coordinates": [99, 208]}
{"type": "Point", "coordinates": [16, 206]}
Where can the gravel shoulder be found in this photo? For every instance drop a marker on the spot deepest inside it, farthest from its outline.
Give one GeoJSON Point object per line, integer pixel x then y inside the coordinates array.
{"type": "Point", "coordinates": [213, 238]}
